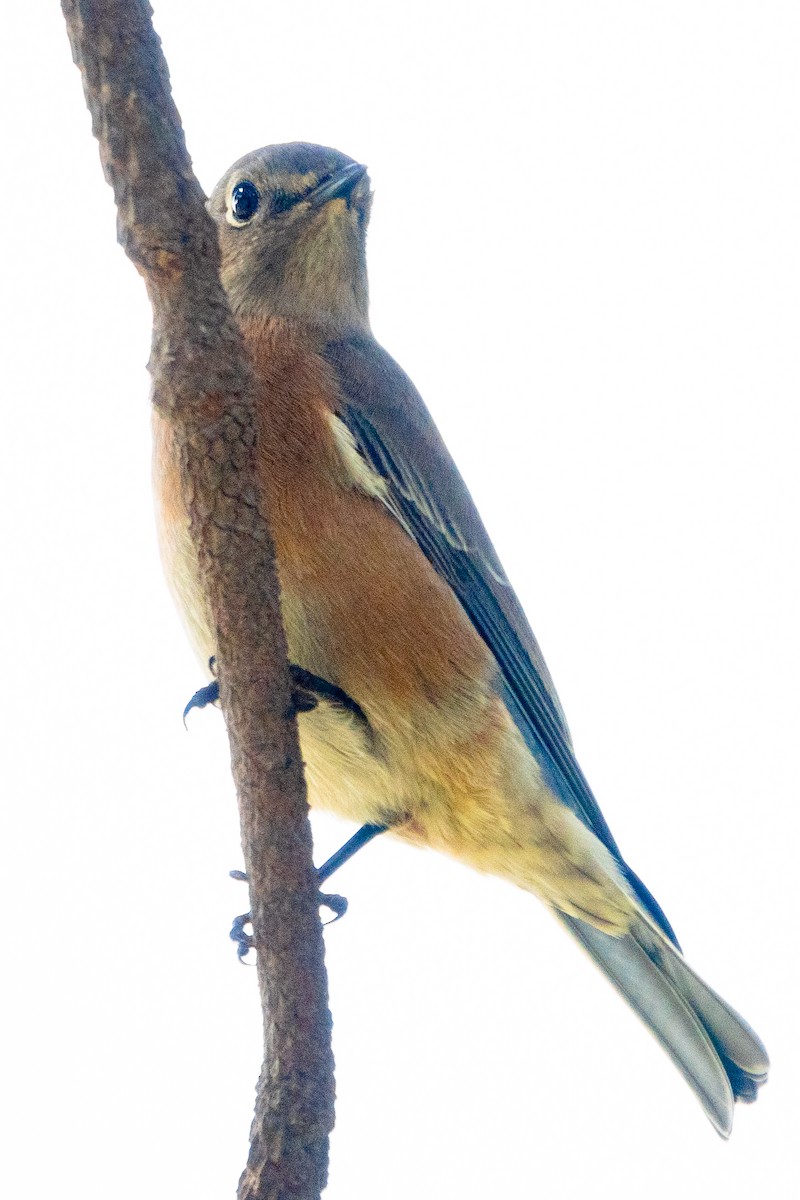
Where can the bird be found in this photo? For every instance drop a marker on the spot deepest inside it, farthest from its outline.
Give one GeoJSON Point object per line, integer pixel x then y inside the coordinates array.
{"type": "Point", "coordinates": [435, 716]}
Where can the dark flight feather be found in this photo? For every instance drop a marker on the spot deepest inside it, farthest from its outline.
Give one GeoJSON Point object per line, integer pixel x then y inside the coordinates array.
{"type": "Point", "coordinates": [436, 509]}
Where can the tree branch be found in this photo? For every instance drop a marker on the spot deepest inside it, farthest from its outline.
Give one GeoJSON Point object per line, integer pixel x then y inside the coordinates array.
{"type": "Point", "coordinates": [202, 385]}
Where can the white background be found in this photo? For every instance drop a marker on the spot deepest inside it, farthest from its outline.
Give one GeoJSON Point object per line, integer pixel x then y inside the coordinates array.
{"type": "Point", "coordinates": [585, 251]}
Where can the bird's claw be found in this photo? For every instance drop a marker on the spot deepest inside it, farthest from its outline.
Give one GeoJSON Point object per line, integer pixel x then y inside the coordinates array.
{"type": "Point", "coordinates": [303, 698]}
{"type": "Point", "coordinates": [337, 905]}
{"type": "Point", "coordinates": [205, 695]}
{"type": "Point", "coordinates": [244, 941]}
{"type": "Point", "coordinates": [202, 697]}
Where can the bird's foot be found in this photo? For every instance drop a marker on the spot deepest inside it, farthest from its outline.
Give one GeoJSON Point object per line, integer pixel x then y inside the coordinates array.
{"type": "Point", "coordinates": [204, 695]}
{"type": "Point", "coordinates": [312, 687]}
{"type": "Point", "coordinates": [306, 692]}
{"type": "Point", "coordinates": [302, 698]}
{"type": "Point", "coordinates": [244, 940]}
{"type": "Point", "coordinates": [337, 905]}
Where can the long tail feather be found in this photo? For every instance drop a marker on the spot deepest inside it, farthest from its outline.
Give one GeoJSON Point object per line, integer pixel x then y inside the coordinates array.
{"type": "Point", "coordinates": [721, 1057]}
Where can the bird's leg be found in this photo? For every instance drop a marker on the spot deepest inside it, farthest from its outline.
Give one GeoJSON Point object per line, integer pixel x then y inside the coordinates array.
{"type": "Point", "coordinates": [307, 691]}
{"type": "Point", "coordinates": [337, 904]}
{"type": "Point", "coordinates": [360, 838]}
{"type": "Point", "coordinates": [305, 683]}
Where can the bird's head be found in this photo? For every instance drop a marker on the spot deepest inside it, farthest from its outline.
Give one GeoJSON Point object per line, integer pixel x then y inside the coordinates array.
{"type": "Point", "coordinates": [292, 223]}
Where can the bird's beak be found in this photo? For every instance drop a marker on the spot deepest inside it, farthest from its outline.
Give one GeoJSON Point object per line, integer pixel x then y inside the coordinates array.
{"type": "Point", "coordinates": [340, 184]}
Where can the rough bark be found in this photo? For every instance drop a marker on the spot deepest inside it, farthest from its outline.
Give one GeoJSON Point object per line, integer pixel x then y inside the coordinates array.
{"type": "Point", "coordinates": [202, 384]}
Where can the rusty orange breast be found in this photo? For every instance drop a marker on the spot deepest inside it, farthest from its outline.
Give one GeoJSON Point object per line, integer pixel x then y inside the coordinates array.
{"type": "Point", "coordinates": [363, 606]}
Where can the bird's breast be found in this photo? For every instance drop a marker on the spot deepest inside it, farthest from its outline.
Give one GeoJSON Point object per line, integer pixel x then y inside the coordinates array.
{"type": "Point", "coordinates": [362, 606]}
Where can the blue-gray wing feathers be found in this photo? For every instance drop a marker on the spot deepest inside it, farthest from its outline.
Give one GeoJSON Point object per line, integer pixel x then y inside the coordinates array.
{"type": "Point", "coordinates": [394, 431]}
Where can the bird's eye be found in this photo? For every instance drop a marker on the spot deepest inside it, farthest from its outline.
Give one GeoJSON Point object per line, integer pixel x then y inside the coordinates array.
{"type": "Point", "coordinates": [244, 201]}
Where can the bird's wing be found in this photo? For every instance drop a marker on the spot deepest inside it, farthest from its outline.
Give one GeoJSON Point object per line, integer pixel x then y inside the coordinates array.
{"type": "Point", "coordinates": [395, 433]}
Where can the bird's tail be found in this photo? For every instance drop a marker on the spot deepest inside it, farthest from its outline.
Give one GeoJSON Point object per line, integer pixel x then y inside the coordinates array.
{"type": "Point", "coordinates": [720, 1056]}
